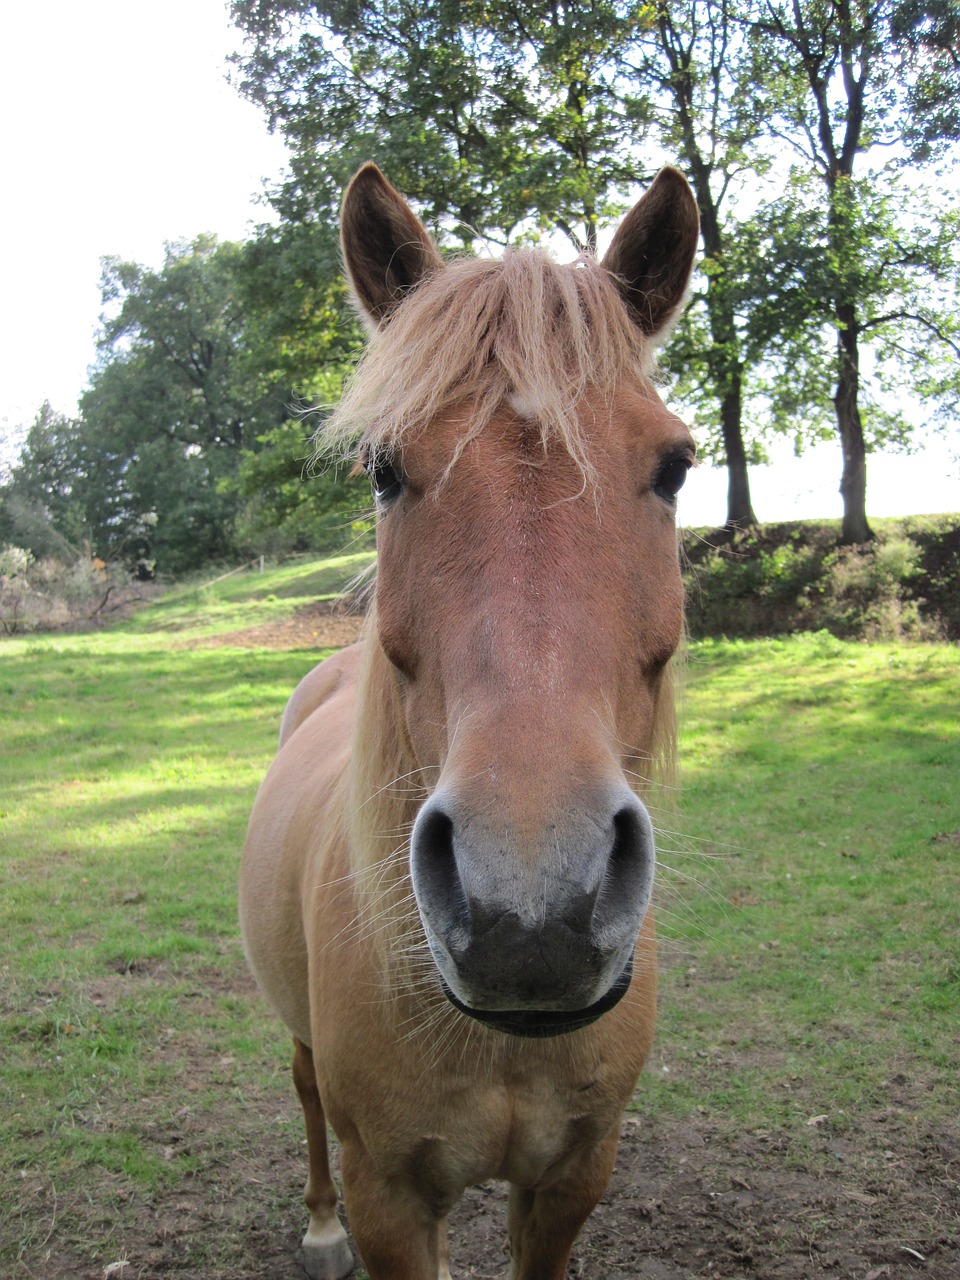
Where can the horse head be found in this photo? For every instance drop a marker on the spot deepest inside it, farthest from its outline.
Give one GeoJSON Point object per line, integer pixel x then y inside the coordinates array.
{"type": "Point", "coordinates": [528, 597]}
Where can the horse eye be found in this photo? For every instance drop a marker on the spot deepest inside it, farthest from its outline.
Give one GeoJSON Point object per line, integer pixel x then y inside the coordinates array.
{"type": "Point", "coordinates": [671, 476]}
{"type": "Point", "coordinates": [385, 476]}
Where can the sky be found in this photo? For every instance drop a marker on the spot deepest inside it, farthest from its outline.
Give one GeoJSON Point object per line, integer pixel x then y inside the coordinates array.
{"type": "Point", "coordinates": [120, 132]}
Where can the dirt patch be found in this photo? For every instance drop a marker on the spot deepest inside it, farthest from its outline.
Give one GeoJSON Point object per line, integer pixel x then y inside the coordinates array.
{"type": "Point", "coordinates": [691, 1200]}
{"type": "Point", "coordinates": [688, 1201]}
{"type": "Point", "coordinates": [315, 626]}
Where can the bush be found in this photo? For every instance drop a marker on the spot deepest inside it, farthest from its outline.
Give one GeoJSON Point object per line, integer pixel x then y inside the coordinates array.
{"type": "Point", "coordinates": [794, 577]}
{"type": "Point", "coordinates": [43, 595]}
{"type": "Point", "coordinates": [863, 592]}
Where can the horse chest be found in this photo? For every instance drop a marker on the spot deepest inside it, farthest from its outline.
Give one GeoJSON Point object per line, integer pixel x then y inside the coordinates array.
{"type": "Point", "coordinates": [526, 1135]}
{"type": "Point", "coordinates": [549, 1129]}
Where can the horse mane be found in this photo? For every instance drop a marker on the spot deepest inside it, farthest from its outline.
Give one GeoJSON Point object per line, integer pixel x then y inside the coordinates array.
{"type": "Point", "coordinates": [521, 328]}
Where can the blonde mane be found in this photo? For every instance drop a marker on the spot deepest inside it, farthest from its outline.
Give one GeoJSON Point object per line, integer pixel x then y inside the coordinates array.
{"type": "Point", "coordinates": [522, 328]}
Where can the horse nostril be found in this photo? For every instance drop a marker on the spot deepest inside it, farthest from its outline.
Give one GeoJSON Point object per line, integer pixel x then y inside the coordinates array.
{"type": "Point", "coordinates": [629, 874]}
{"type": "Point", "coordinates": [433, 836]}
{"type": "Point", "coordinates": [627, 839]}
{"type": "Point", "coordinates": [436, 880]}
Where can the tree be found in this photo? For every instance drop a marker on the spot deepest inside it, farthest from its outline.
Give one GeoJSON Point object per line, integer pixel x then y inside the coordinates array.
{"type": "Point", "coordinates": [493, 116]}
{"type": "Point", "coordinates": [860, 79]}
{"type": "Point", "coordinates": [700, 61]}
{"type": "Point", "coordinates": [286, 506]}
{"type": "Point", "coordinates": [524, 116]}
{"type": "Point", "coordinates": [167, 407]}
{"type": "Point", "coordinates": [41, 500]}
{"type": "Point", "coordinates": [203, 365]}
{"type": "Point", "coordinates": [928, 33]}
{"type": "Point", "coordinates": [506, 117]}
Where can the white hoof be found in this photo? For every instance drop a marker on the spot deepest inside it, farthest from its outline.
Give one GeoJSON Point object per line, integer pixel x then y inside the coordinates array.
{"type": "Point", "coordinates": [327, 1256]}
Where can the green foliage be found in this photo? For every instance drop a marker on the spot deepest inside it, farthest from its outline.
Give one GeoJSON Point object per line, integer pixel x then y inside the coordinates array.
{"type": "Point", "coordinates": [200, 368]}
{"type": "Point", "coordinates": [299, 327]}
{"type": "Point", "coordinates": [854, 248]}
{"type": "Point", "coordinates": [14, 562]}
{"type": "Point", "coordinates": [499, 118]}
{"type": "Point", "coordinates": [40, 506]}
{"type": "Point", "coordinates": [826, 298]}
{"type": "Point", "coordinates": [507, 120]}
{"type": "Point", "coordinates": [898, 260]}
{"type": "Point", "coordinates": [701, 61]}
{"type": "Point", "coordinates": [928, 31]}
{"type": "Point", "coordinates": [287, 506]}
{"type": "Point", "coordinates": [785, 578]}
{"type": "Point", "coordinates": [864, 591]}
{"type": "Point", "coordinates": [169, 407]}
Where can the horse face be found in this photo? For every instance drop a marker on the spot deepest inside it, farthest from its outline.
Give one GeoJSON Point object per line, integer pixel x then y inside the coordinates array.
{"type": "Point", "coordinates": [529, 613]}
{"type": "Point", "coordinates": [529, 622]}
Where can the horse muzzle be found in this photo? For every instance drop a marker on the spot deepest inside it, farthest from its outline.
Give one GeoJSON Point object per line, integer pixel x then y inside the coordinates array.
{"type": "Point", "coordinates": [539, 1024]}
{"type": "Point", "coordinates": [534, 935]}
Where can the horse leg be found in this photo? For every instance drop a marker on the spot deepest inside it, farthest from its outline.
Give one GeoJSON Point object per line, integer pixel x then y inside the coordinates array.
{"type": "Point", "coordinates": [544, 1224]}
{"type": "Point", "coordinates": [443, 1252]}
{"type": "Point", "coordinates": [399, 1235]}
{"type": "Point", "coordinates": [326, 1253]}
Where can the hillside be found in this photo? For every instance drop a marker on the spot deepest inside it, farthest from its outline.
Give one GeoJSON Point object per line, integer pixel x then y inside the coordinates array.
{"type": "Point", "coordinates": [771, 581]}
{"type": "Point", "coordinates": [790, 577]}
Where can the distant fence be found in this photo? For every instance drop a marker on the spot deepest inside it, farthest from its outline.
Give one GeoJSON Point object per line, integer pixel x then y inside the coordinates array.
{"type": "Point", "coordinates": [258, 560]}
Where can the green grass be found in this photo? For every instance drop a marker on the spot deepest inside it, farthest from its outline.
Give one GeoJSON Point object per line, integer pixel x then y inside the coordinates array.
{"type": "Point", "coordinates": [205, 608]}
{"type": "Point", "coordinates": [811, 936]}
{"type": "Point", "coordinates": [130, 761]}
{"type": "Point", "coordinates": [815, 896]}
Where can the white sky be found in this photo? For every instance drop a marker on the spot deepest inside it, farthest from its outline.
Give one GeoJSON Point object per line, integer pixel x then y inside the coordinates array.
{"type": "Point", "coordinates": [120, 132]}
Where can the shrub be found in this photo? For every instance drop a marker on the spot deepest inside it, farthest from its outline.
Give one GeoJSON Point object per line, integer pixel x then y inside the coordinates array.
{"type": "Point", "coordinates": [47, 594]}
{"type": "Point", "coordinates": [862, 592]}
{"type": "Point", "coordinates": [790, 577]}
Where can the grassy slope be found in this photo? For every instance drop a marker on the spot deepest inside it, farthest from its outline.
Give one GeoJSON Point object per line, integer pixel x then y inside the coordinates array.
{"type": "Point", "coordinates": [811, 950]}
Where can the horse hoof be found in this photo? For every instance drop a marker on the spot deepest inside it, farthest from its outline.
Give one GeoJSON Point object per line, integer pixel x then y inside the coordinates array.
{"type": "Point", "coordinates": [328, 1261]}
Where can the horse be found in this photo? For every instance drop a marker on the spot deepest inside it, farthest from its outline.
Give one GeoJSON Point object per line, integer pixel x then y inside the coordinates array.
{"type": "Point", "coordinates": [445, 888]}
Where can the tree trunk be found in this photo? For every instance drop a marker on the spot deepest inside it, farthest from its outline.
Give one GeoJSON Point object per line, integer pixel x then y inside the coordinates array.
{"type": "Point", "coordinates": [739, 507]}
{"type": "Point", "coordinates": [853, 483]}
{"type": "Point", "coordinates": [724, 357]}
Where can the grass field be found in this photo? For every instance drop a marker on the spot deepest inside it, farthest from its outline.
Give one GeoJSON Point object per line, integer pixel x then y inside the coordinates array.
{"type": "Point", "coordinates": [808, 907]}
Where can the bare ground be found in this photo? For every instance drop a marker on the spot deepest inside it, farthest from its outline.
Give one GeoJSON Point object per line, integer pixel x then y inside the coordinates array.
{"type": "Point", "coordinates": [314, 627]}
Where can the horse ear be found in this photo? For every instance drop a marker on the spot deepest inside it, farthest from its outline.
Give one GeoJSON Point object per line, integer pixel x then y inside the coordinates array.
{"type": "Point", "coordinates": [651, 255]}
{"type": "Point", "coordinates": [386, 249]}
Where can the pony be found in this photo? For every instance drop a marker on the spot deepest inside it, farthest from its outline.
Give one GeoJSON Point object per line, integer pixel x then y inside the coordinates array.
{"type": "Point", "coordinates": [445, 888]}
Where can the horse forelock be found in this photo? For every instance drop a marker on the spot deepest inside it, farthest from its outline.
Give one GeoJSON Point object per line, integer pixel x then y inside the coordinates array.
{"type": "Point", "coordinates": [521, 330]}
